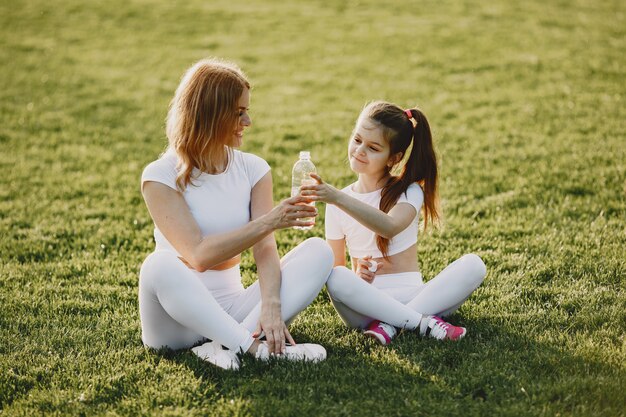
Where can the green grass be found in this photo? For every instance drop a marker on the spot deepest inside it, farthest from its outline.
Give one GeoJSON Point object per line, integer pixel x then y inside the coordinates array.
{"type": "Point", "coordinates": [526, 101]}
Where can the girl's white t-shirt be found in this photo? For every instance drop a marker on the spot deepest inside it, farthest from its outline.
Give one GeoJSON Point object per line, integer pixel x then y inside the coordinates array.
{"type": "Point", "coordinates": [218, 202]}
{"type": "Point", "coordinates": [360, 240]}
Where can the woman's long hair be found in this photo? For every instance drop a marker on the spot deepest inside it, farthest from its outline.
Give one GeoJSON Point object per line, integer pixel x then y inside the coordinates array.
{"type": "Point", "coordinates": [420, 167]}
{"type": "Point", "coordinates": [203, 117]}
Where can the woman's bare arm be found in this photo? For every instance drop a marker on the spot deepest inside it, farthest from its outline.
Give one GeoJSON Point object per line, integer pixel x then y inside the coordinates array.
{"type": "Point", "coordinates": [172, 216]}
{"type": "Point", "coordinates": [268, 269]}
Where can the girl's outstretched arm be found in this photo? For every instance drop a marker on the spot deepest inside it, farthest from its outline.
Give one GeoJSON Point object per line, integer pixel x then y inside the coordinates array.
{"type": "Point", "coordinates": [384, 224]}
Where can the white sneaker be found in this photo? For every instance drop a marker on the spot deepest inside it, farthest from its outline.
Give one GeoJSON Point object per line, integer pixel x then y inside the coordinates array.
{"type": "Point", "coordinates": [308, 352]}
{"type": "Point", "coordinates": [212, 352]}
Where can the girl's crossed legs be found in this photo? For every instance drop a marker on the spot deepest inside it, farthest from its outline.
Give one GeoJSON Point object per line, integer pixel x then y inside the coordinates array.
{"type": "Point", "coordinates": [358, 303]}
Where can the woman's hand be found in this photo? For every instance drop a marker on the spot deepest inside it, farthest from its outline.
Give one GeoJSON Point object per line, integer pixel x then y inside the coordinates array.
{"type": "Point", "coordinates": [366, 268]}
{"type": "Point", "coordinates": [293, 211]}
{"type": "Point", "coordinates": [275, 329]}
{"type": "Point", "coordinates": [320, 191]}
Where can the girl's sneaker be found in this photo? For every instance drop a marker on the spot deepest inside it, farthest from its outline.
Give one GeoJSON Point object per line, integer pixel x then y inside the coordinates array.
{"type": "Point", "coordinates": [437, 328]}
{"type": "Point", "coordinates": [214, 353]}
{"type": "Point", "coordinates": [308, 352]}
{"type": "Point", "coordinates": [380, 331]}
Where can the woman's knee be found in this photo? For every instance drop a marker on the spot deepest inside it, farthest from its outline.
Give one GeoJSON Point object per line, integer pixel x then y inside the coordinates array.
{"type": "Point", "coordinates": [319, 247]}
{"type": "Point", "coordinates": [159, 265]}
{"type": "Point", "coordinates": [474, 267]}
{"type": "Point", "coordinates": [320, 253]}
{"type": "Point", "coordinates": [340, 283]}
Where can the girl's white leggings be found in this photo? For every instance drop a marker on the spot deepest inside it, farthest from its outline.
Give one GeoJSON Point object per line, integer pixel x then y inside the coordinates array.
{"type": "Point", "coordinates": [179, 306]}
{"type": "Point", "coordinates": [402, 299]}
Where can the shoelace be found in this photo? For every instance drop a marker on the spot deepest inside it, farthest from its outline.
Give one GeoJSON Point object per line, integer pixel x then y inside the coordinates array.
{"type": "Point", "coordinates": [443, 324]}
{"type": "Point", "coordinates": [440, 328]}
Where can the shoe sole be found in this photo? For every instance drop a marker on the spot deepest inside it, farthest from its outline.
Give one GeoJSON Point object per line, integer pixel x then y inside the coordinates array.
{"type": "Point", "coordinates": [314, 356]}
{"type": "Point", "coordinates": [379, 337]}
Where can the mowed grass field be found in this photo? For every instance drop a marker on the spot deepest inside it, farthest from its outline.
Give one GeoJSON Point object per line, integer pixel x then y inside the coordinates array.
{"type": "Point", "coordinates": [526, 102]}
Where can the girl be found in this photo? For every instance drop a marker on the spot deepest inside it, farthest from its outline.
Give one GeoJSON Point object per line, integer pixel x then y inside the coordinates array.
{"type": "Point", "coordinates": [210, 202]}
{"type": "Point", "coordinates": [377, 219]}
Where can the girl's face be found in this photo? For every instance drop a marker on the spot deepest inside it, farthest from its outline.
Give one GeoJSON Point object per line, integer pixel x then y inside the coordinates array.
{"type": "Point", "coordinates": [368, 151]}
{"type": "Point", "coordinates": [244, 118]}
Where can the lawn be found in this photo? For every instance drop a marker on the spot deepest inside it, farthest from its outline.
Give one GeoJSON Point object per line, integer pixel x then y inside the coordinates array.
{"type": "Point", "coordinates": [526, 102]}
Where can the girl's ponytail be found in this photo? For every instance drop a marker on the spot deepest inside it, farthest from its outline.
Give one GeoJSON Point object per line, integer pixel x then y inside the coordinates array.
{"type": "Point", "coordinates": [421, 167]}
{"type": "Point", "coordinates": [401, 131]}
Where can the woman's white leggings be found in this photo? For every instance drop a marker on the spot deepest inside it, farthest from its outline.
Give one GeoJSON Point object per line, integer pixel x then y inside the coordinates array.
{"type": "Point", "coordinates": [402, 299]}
{"type": "Point", "coordinates": [179, 306]}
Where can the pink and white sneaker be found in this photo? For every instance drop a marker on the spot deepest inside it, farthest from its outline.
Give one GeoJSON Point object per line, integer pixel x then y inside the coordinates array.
{"type": "Point", "coordinates": [380, 331]}
{"type": "Point", "coordinates": [439, 329]}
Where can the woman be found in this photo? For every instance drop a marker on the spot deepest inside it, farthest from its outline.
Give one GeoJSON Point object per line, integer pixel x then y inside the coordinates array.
{"type": "Point", "coordinates": [209, 202]}
{"type": "Point", "coordinates": [377, 218]}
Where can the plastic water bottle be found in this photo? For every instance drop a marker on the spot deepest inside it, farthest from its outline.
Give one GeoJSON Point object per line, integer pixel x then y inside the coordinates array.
{"type": "Point", "coordinates": [299, 177]}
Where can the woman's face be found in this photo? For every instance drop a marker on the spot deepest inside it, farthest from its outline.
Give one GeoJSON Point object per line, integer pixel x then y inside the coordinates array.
{"type": "Point", "coordinates": [244, 118]}
{"type": "Point", "coordinates": [368, 151]}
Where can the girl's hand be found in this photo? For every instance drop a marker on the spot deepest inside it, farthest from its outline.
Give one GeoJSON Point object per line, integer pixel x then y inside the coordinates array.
{"type": "Point", "coordinates": [366, 268]}
{"type": "Point", "coordinates": [293, 211]}
{"type": "Point", "coordinates": [275, 330]}
{"type": "Point", "coordinates": [320, 191]}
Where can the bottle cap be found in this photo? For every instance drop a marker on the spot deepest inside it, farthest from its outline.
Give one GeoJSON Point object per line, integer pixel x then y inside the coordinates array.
{"type": "Point", "coordinates": [305, 155]}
